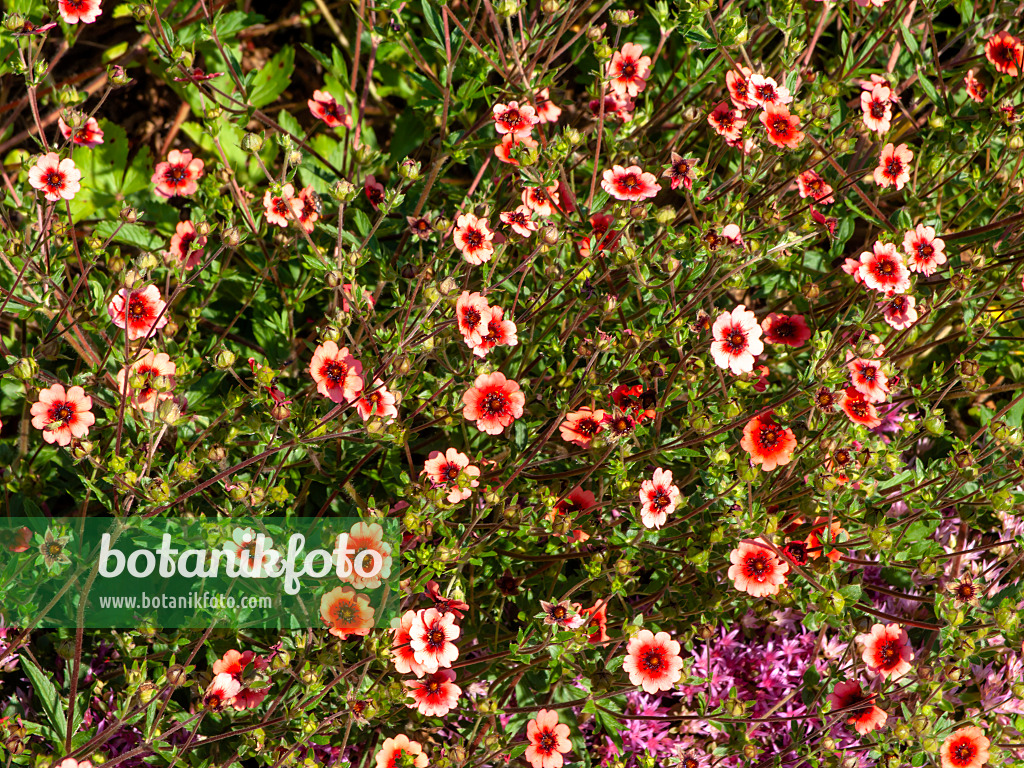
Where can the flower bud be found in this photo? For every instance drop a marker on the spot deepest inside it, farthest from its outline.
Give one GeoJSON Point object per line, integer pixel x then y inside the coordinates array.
{"type": "Point", "coordinates": [409, 169]}
{"type": "Point", "coordinates": [343, 191]}
{"type": "Point", "coordinates": [231, 237]}
{"type": "Point", "coordinates": [225, 359]}
{"type": "Point", "coordinates": [252, 142]}
{"type": "Point", "coordinates": [129, 215]}
{"type": "Point", "coordinates": [935, 424]}
{"type": "Point", "coordinates": [26, 368]}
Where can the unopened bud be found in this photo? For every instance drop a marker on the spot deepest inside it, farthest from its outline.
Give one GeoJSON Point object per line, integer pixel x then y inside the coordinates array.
{"type": "Point", "coordinates": [252, 142]}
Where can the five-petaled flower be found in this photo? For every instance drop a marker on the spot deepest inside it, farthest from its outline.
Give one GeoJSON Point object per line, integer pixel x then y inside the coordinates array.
{"type": "Point", "coordinates": [756, 569]}
{"type": "Point", "coordinates": [187, 245]}
{"type": "Point", "coordinates": [736, 340]}
{"type": "Point", "coordinates": [336, 372]}
{"type": "Point", "coordinates": [925, 252]}
{"type": "Point", "coordinates": [445, 471]}
{"type": "Point", "coordinates": [883, 269]}
{"type": "Point", "coordinates": [653, 661]}
{"type": "Point", "coordinates": [966, 747]}
{"type": "Point", "coordinates": [395, 752]}
{"type": "Point", "coordinates": [658, 498]}
{"type": "Point", "coordinates": [782, 128]}
{"type": "Point", "coordinates": [628, 70]}
{"type": "Point", "coordinates": [430, 638]}
{"type": "Point", "coordinates": [473, 238]}
{"type": "Point", "coordinates": [62, 414]}
{"type": "Point", "coordinates": [514, 118]}
{"type": "Point", "coordinates": [791, 330]}
{"type": "Point", "coordinates": [768, 443]}
{"type": "Point", "coordinates": [140, 311]}
{"type": "Point", "coordinates": [156, 372]}
{"type": "Point", "coordinates": [346, 612]}
{"type": "Point", "coordinates": [1006, 53]}
{"type": "Point", "coordinates": [864, 715]}
{"type": "Point", "coordinates": [79, 11]}
{"type": "Point", "coordinates": [436, 694]}
{"type": "Point", "coordinates": [632, 183]}
{"type": "Point", "coordinates": [894, 166]}
{"type": "Point", "coordinates": [178, 175]}
{"type": "Point", "coordinates": [325, 107]}
{"type": "Point", "coordinates": [57, 179]}
{"type": "Point", "coordinates": [493, 402]}
{"type": "Point", "coordinates": [886, 650]}
{"type": "Point", "coordinates": [548, 740]}
{"type": "Point", "coordinates": [89, 134]}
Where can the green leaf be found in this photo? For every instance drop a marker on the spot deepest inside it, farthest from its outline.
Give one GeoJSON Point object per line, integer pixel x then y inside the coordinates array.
{"type": "Point", "coordinates": [48, 696]}
{"type": "Point", "coordinates": [272, 80]}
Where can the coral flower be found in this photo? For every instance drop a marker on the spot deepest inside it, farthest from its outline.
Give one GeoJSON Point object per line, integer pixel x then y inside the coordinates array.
{"type": "Point", "coordinates": [431, 638]}
{"type": "Point", "coordinates": [783, 129]}
{"type": "Point", "coordinates": [865, 716]}
{"type": "Point", "coordinates": [894, 166]}
{"type": "Point", "coordinates": [336, 372]}
{"type": "Point", "coordinates": [541, 200]}
{"type": "Point", "coordinates": [473, 237]}
{"type": "Point", "coordinates": [658, 497]}
{"type": "Point", "coordinates": [899, 312]}
{"type": "Point", "coordinates": [736, 340]}
{"type": "Point", "coordinates": [597, 619]}
{"type": "Point", "coordinates": [493, 402]}
{"type": "Point", "coordinates": [374, 191]}
{"type": "Point", "coordinates": [520, 220]}
{"type": "Point", "coordinates": [581, 426]}
{"type": "Point", "coordinates": [401, 650]}
{"type": "Point", "coordinates": [887, 650]}
{"type": "Point", "coordinates": [75, 11]}
{"type": "Point", "coordinates": [378, 402]}
{"type": "Point", "coordinates": [630, 183]}
{"type": "Point", "coordinates": [815, 546]}
{"type": "Point", "coordinates": [925, 252]}
{"type": "Point", "coordinates": [500, 333]}
{"type": "Point", "coordinates": [548, 740]}
{"type": "Point", "coordinates": [346, 612]}
{"type": "Point", "coordinates": [876, 107]}
{"type": "Point", "coordinates": [628, 70]}
{"type": "Point", "coordinates": [178, 175]}
{"type": "Point", "coordinates": [1006, 53]}
{"type": "Point", "coordinates": [62, 414]}
{"type": "Point", "coordinates": [283, 208]}
{"type": "Point", "coordinates": [512, 144]}
{"type": "Point", "coordinates": [791, 330]}
{"type": "Point", "coordinates": [756, 570]}
{"type": "Point", "coordinates": [884, 270]}
{"type": "Point", "coordinates": [547, 110]}
{"type": "Point", "coordinates": [187, 245]}
{"type": "Point", "coordinates": [680, 171]}
{"type": "Point", "coordinates": [472, 315]}
{"type": "Point", "coordinates": [444, 470]}
{"type": "Point", "coordinates": [312, 207]}
{"type": "Point", "coordinates": [435, 694]}
{"type": "Point", "coordinates": [812, 185]}
{"type": "Point", "coordinates": [325, 107]}
{"type": "Point", "coordinates": [393, 753]}
{"type": "Point", "coordinates": [868, 378]}
{"type": "Point", "coordinates": [764, 91]}
{"type": "Point", "coordinates": [768, 444]}
{"type": "Point", "coordinates": [653, 661]}
{"type": "Point", "coordinates": [88, 135]}
{"type": "Point", "coordinates": [57, 179]}
{"type": "Point", "coordinates": [736, 83]}
{"type": "Point", "coordinates": [515, 119]}
{"type": "Point", "coordinates": [727, 122]}
{"type": "Point", "coordinates": [858, 409]}
{"type": "Point", "coordinates": [221, 692]}
{"type": "Point", "coordinates": [140, 311]}
{"type": "Point", "coordinates": [152, 365]}
{"type": "Point", "coordinates": [368, 537]}
{"type": "Point", "coordinates": [975, 88]}
{"type": "Point", "coordinates": [966, 747]}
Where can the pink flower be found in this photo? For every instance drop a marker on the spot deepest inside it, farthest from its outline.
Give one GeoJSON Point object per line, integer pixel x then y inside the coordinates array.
{"type": "Point", "coordinates": [680, 171]}
{"type": "Point", "coordinates": [736, 340]}
{"type": "Point", "coordinates": [88, 135]}
{"type": "Point", "coordinates": [393, 752]}
{"type": "Point", "coordinates": [783, 129]}
{"type": "Point", "coordinates": [187, 245]}
{"type": "Point", "coordinates": [547, 111]}
{"type": "Point", "coordinates": [653, 661]}
{"type": "Point", "coordinates": [868, 378]}
{"type": "Point", "coordinates": [282, 209]}
{"type": "Point", "coordinates": [151, 366]}
{"type": "Point", "coordinates": [378, 402]}
{"type": "Point", "coordinates": [445, 470]}
{"type": "Point", "coordinates": [473, 316]}
{"type": "Point", "coordinates": [374, 191]}
{"type": "Point", "coordinates": [178, 175]}
{"type": "Point", "coordinates": [520, 221]}
{"type": "Point", "coordinates": [864, 715]}
{"type": "Point", "coordinates": [899, 312]}
{"type": "Point", "coordinates": [510, 142]}
{"type": "Point", "coordinates": [75, 11]}
{"type": "Point", "coordinates": [812, 185]}
{"type": "Point", "coordinates": [883, 269]}
{"type": "Point", "coordinates": [876, 106]}
{"type": "Point", "coordinates": [975, 88]}
{"type": "Point", "coordinates": [324, 107]}
{"type": "Point", "coordinates": [581, 426]}
{"type": "Point", "coordinates": [346, 612]}
{"type": "Point", "coordinates": [887, 650]}
{"type": "Point", "coordinates": [336, 373]}
{"type": "Point", "coordinates": [436, 694]}
{"type": "Point", "coordinates": [769, 444]}
{"type": "Point", "coordinates": [62, 414]}
{"type": "Point", "coordinates": [221, 692]}
{"type": "Point", "coordinates": [540, 200]}
{"type": "Point", "coordinates": [764, 91]}
{"type": "Point", "coordinates": [548, 740]}
{"type": "Point", "coordinates": [628, 70]}
{"type": "Point", "coordinates": [894, 166]}
{"type": "Point", "coordinates": [401, 650]}
{"type": "Point", "coordinates": [785, 329]}
{"type": "Point", "coordinates": [925, 252]}
{"type": "Point", "coordinates": [514, 119]}
{"type": "Point", "coordinates": [756, 570]}
{"type": "Point", "coordinates": [727, 122]}
{"type": "Point", "coordinates": [493, 402]}
{"type": "Point", "coordinates": [431, 638]}
{"type": "Point", "coordinates": [312, 207]}
{"type": "Point", "coordinates": [658, 497]}
{"type": "Point", "coordinates": [500, 333]}
{"type": "Point", "coordinates": [473, 237]}
{"type": "Point", "coordinates": [139, 311]}
{"type": "Point", "coordinates": [57, 179]}
{"type": "Point", "coordinates": [630, 183]}
{"type": "Point", "coordinates": [737, 84]}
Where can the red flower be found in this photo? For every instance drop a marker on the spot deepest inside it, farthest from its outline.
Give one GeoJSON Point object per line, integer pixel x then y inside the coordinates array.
{"type": "Point", "coordinates": [597, 618]}
{"type": "Point", "coordinates": [868, 378]}
{"type": "Point", "coordinates": [658, 498]}
{"type": "Point", "coordinates": [57, 179]}
{"type": "Point", "coordinates": [187, 245]}
{"type": "Point", "coordinates": [864, 715]}
{"type": "Point", "coordinates": [894, 166]}
{"type": "Point", "coordinates": [62, 414]}
{"type": "Point", "coordinates": [514, 119]}
{"type": "Point", "coordinates": [547, 110]}
{"type": "Point", "coordinates": [727, 122]}
{"type": "Point", "coordinates": [764, 91]}
{"type": "Point", "coordinates": [815, 547]}
{"type": "Point", "coordinates": [581, 426]}
{"type": "Point", "coordinates": [812, 185]}
{"type": "Point", "coordinates": [493, 402]}
{"type": "Point", "coordinates": [795, 552]}
{"type": "Point", "coordinates": [346, 613]}
{"type": "Point", "coordinates": [436, 694]}
{"type": "Point", "coordinates": [577, 503]}
{"type": "Point", "coordinates": [680, 171]}
{"type": "Point", "coordinates": [500, 333]}
{"type": "Point", "coordinates": [736, 83]}
{"type": "Point", "coordinates": [975, 88]}
{"type": "Point", "coordinates": [548, 740]}
{"type": "Point", "coordinates": [876, 106]}
{"type": "Point", "coordinates": [221, 692]}
{"type": "Point", "coordinates": [785, 329]}
{"type": "Point", "coordinates": [630, 183]}
{"type": "Point", "coordinates": [653, 661]}
{"type": "Point", "coordinates": [140, 311]}
{"type": "Point", "coordinates": [88, 135]}
{"type": "Point", "coordinates": [966, 747]}
{"type": "Point", "coordinates": [379, 402]}
{"type": "Point", "coordinates": [151, 366]}
{"type": "Point", "coordinates": [510, 142]}
{"type": "Point", "coordinates": [196, 75]}
{"type": "Point", "coordinates": [178, 175]}
{"type": "Point", "coordinates": [393, 750]}
{"type": "Point", "coordinates": [636, 401]}
{"type": "Point", "coordinates": [756, 570]}
{"type": "Point", "coordinates": [899, 312]}
{"type": "Point", "coordinates": [324, 107]}
{"type": "Point", "coordinates": [520, 220]}
{"type": "Point", "coordinates": [283, 208]}
{"type": "Point", "coordinates": [887, 650]}
{"type": "Point", "coordinates": [312, 207]}
{"type": "Point", "coordinates": [401, 651]}
{"type": "Point", "coordinates": [75, 11]}
{"type": "Point", "coordinates": [431, 638]}
{"type": "Point", "coordinates": [783, 128]}
{"type": "Point", "coordinates": [858, 409]}
{"type": "Point", "coordinates": [473, 237]}
{"type": "Point", "coordinates": [472, 315]}
{"type": "Point", "coordinates": [541, 200]}
{"type": "Point", "coordinates": [628, 70]}
{"type": "Point", "coordinates": [374, 191]}
{"type": "Point", "coordinates": [1006, 53]}
{"type": "Point", "coordinates": [445, 469]}
{"type": "Point", "coordinates": [336, 373]}
{"type": "Point", "coordinates": [883, 269]}
{"type": "Point", "coordinates": [736, 340]}
{"type": "Point", "coordinates": [767, 443]}
{"type": "Point", "coordinates": [445, 604]}
{"type": "Point", "coordinates": [925, 252]}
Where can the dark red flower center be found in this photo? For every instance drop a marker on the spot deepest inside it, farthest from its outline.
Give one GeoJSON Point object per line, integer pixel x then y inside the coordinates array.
{"type": "Point", "coordinates": [137, 308]}
{"type": "Point", "coordinates": [780, 126]}
{"type": "Point", "coordinates": [61, 412]}
{"type": "Point", "coordinates": [627, 69]}
{"type": "Point", "coordinates": [54, 179]}
{"type": "Point", "coordinates": [796, 551]}
{"type": "Point", "coordinates": [176, 174]}
{"type": "Point", "coordinates": [965, 591]}
{"type": "Point", "coordinates": [376, 195]}
{"type": "Point", "coordinates": [889, 653]}
{"type": "Point", "coordinates": [735, 340]}
{"type": "Point", "coordinates": [629, 181]}
{"type": "Point", "coordinates": [963, 752]}
{"type": "Point", "coordinates": [343, 613]}
{"type": "Point", "coordinates": [471, 317]}
{"type": "Point", "coordinates": [724, 119]}
{"type": "Point", "coordinates": [546, 741]}
{"type": "Point", "coordinates": [653, 660]}
{"type": "Point", "coordinates": [586, 426]}
{"type": "Point", "coordinates": [661, 498]}
{"type": "Point", "coordinates": [450, 472]}
{"type": "Point", "coordinates": [825, 400]}
{"type": "Point", "coordinates": [885, 267]}
{"type": "Point", "coordinates": [279, 206]}
{"type": "Point", "coordinates": [894, 167]}
{"type": "Point", "coordinates": [517, 217]}
{"type": "Point", "coordinates": [925, 250]}
{"type": "Point", "coordinates": [868, 373]}
{"type": "Point", "coordinates": [784, 329]}
{"type": "Point", "coordinates": [474, 238]}
{"type": "Point", "coordinates": [757, 566]}
{"type": "Point", "coordinates": [335, 371]}
{"type": "Point", "coordinates": [435, 637]}
{"type": "Point", "coordinates": [512, 118]}
{"type": "Point", "coordinates": [858, 408]}
{"type": "Point", "coordinates": [690, 762]}
{"type": "Point", "coordinates": [433, 687]}
{"type": "Point", "coordinates": [877, 109]}
{"type": "Point", "coordinates": [898, 305]}
{"type": "Point", "coordinates": [765, 92]}
{"type": "Point", "coordinates": [769, 435]}
{"type": "Point", "coordinates": [213, 701]}
{"type": "Point", "coordinates": [558, 612]}
{"type": "Point", "coordinates": [494, 403]}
